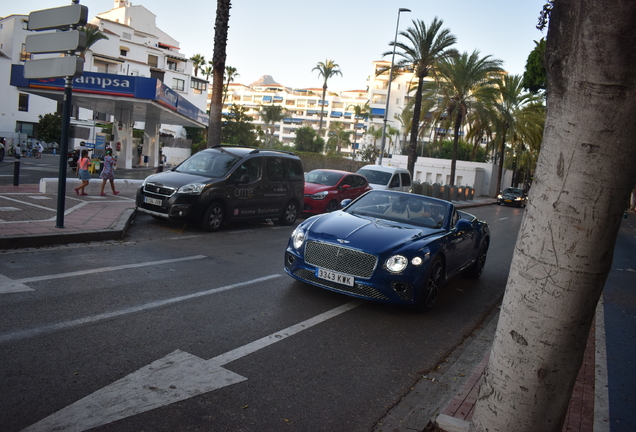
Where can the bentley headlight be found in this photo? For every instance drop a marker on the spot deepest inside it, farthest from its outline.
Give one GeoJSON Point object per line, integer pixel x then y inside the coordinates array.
{"type": "Point", "coordinates": [396, 263]}
{"type": "Point", "coordinates": [298, 238]}
{"type": "Point", "coordinates": [319, 195]}
{"type": "Point", "coordinates": [192, 188]}
{"type": "Point", "coordinates": [417, 261]}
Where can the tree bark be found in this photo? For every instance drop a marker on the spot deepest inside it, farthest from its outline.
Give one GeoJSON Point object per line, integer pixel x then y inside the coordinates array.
{"type": "Point", "coordinates": [585, 172]}
{"type": "Point", "coordinates": [221, 27]}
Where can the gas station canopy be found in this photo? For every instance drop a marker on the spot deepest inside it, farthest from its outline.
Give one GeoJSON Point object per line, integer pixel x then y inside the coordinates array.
{"type": "Point", "coordinates": [146, 98]}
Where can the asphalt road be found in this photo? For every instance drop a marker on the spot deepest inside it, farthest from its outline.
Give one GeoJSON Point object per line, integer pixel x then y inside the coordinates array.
{"type": "Point", "coordinates": [175, 329]}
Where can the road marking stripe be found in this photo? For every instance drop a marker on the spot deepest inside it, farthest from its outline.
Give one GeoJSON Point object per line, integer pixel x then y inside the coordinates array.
{"type": "Point", "coordinates": [175, 377]}
{"type": "Point", "coordinates": [107, 269]}
{"type": "Point", "coordinates": [51, 328]}
{"type": "Point", "coordinates": [237, 353]}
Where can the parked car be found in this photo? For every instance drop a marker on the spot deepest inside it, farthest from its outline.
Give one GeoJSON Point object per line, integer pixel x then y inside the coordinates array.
{"type": "Point", "coordinates": [325, 189]}
{"type": "Point", "coordinates": [226, 183]}
{"type": "Point", "coordinates": [387, 177]}
{"type": "Point", "coordinates": [388, 246]}
{"type": "Point", "coordinates": [2, 151]}
{"type": "Point", "coordinates": [512, 196]}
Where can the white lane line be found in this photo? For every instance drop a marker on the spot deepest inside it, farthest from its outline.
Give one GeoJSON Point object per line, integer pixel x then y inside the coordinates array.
{"type": "Point", "coordinates": [50, 328]}
{"type": "Point", "coordinates": [173, 378]}
{"type": "Point", "coordinates": [503, 218]}
{"type": "Point", "coordinates": [107, 269]}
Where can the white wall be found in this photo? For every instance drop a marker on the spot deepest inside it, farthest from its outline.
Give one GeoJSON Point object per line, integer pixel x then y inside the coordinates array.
{"type": "Point", "coordinates": [481, 176]}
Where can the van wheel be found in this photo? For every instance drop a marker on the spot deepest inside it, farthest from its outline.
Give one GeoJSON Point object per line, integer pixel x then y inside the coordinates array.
{"type": "Point", "coordinates": [289, 214]}
{"type": "Point", "coordinates": [213, 217]}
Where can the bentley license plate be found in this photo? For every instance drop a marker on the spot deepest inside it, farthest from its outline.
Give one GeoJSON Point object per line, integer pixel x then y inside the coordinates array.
{"type": "Point", "coordinates": [334, 277]}
{"type": "Point", "coordinates": [152, 201]}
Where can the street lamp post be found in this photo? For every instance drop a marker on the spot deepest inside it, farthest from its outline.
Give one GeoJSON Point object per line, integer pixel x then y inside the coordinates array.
{"type": "Point", "coordinates": [388, 91]}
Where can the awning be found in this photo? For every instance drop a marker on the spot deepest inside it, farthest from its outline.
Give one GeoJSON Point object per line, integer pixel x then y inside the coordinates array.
{"type": "Point", "coordinates": [323, 103]}
{"type": "Point", "coordinates": [377, 111]}
{"type": "Point", "coordinates": [348, 114]}
{"type": "Point", "coordinates": [336, 114]}
{"type": "Point", "coordinates": [278, 98]}
{"type": "Point", "coordinates": [267, 98]}
{"type": "Point", "coordinates": [312, 112]}
{"type": "Point", "coordinates": [107, 59]}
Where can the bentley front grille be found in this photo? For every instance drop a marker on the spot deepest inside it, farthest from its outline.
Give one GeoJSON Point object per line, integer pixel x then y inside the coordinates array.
{"type": "Point", "coordinates": [357, 289]}
{"type": "Point", "coordinates": [340, 259]}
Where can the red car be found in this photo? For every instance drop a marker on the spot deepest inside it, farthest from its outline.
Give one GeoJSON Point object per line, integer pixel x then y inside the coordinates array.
{"type": "Point", "coordinates": [324, 189]}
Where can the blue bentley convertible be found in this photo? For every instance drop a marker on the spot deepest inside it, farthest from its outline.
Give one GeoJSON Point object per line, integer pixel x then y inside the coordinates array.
{"type": "Point", "coordinates": [388, 246]}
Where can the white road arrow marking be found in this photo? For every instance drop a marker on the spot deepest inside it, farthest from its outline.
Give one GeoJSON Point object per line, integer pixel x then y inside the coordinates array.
{"type": "Point", "coordinates": [173, 378]}
{"type": "Point", "coordinates": [10, 286]}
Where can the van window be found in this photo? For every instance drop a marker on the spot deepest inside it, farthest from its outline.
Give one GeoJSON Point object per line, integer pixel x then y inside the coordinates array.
{"type": "Point", "coordinates": [275, 169]}
{"type": "Point", "coordinates": [250, 168]}
{"type": "Point", "coordinates": [294, 169]}
{"type": "Point", "coordinates": [406, 179]}
{"type": "Point", "coordinates": [375, 177]}
{"type": "Point", "coordinates": [395, 181]}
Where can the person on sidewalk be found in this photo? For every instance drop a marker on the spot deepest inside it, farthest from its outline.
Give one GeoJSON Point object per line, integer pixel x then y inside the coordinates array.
{"type": "Point", "coordinates": [108, 172]}
{"type": "Point", "coordinates": [82, 169]}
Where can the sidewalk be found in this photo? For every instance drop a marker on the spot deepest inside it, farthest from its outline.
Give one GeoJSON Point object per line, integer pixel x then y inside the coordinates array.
{"type": "Point", "coordinates": [28, 218]}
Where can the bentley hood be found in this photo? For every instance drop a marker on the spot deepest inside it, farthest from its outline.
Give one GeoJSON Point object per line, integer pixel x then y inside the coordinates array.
{"type": "Point", "coordinates": [359, 232]}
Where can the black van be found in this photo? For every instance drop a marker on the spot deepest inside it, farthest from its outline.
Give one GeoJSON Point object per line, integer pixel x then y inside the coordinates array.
{"type": "Point", "coordinates": [226, 183]}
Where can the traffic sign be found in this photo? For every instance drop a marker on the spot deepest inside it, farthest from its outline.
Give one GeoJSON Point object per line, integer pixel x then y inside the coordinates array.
{"type": "Point", "coordinates": [58, 18]}
{"type": "Point", "coordinates": [53, 42]}
{"type": "Point", "coordinates": [55, 67]}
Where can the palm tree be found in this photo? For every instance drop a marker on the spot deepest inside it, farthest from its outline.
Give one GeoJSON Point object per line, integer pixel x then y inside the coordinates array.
{"type": "Point", "coordinates": [375, 134]}
{"type": "Point", "coordinates": [92, 36]}
{"type": "Point", "coordinates": [197, 61]}
{"type": "Point", "coordinates": [326, 69]}
{"type": "Point", "coordinates": [518, 114]}
{"type": "Point", "coordinates": [425, 47]}
{"type": "Point", "coordinates": [207, 71]}
{"type": "Point", "coordinates": [338, 137]}
{"type": "Point", "coordinates": [272, 114]}
{"type": "Point", "coordinates": [464, 79]}
{"type": "Point", "coordinates": [221, 27]}
{"type": "Point", "coordinates": [360, 112]}
{"type": "Point", "coordinates": [230, 73]}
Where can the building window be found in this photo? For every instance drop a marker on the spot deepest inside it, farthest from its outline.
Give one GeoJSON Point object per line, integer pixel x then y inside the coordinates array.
{"type": "Point", "coordinates": [126, 36]}
{"type": "Point", "coordinates": [23, 102]}
{"type": "Point", "coordinates": [25, 128]}
{"type": "Point", "coordinates": [123, 51]}
{"type": "Point", "coordinates": [199, 85]}
{"type": "Point", "coordinates": [178, 84]}
{"type": "Point", "coordinates": [153, 60]}
{"type": "Point", "coordinates": [24, 56]}
{"type": "Point", "coordinates": [172, 66]}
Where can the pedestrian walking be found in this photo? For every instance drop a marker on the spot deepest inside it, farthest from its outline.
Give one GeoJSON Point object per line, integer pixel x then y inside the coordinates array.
{"type": "Point", "coordinates": [82, 169]}
{"type": "Point", "coordinates": [40, 149]}
{"type": "Point", "coordinates": [108, 172]}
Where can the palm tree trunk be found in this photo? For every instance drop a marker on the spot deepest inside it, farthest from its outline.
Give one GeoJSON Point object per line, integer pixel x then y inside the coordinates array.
{"type": "Point", "coordinates": [218, 63]}
{"type": "Point", "coordinates": [417, 108]}
{"type": "Point", "coordinates": [322, 108]}
{"type": "Point", "coordinates": [458, 125]}
{"type": "Point", "coordinates": [502, 152]}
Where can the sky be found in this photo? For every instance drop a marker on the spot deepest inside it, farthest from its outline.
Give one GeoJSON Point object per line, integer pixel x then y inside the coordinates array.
{"type": "Point", "coordinates": [286, 39]}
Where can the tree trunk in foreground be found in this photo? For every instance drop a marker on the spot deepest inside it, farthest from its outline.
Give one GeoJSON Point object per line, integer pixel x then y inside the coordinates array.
{"type": "Point", "coordinates": [221, 27]}
{"type": "Point", "coordinates": [585, 172]}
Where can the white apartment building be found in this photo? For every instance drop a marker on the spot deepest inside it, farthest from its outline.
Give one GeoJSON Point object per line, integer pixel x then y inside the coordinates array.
{"type": "Point", "coordinates": [18, 110]}
{"type": "Point", "coordinates": [137, 50]}
{"type": "Point", "coordinates": [303, 106]}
